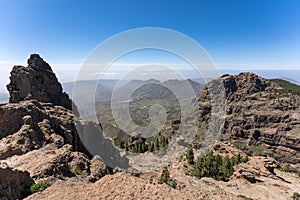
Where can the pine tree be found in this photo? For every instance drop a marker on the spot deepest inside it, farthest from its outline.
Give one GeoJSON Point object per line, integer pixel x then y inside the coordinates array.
{"type": "Point", "coordinates": [226, 168]}
{"type": "Point", "coordinates": [190, 156]}
{"type": "Point", "coordinates": [162, 143]}
{"type": "Point", "coordinates": [165, 176]}
{"type": "Point", "coordinates": [151, 146]}
{"type": "Point", "coordinates": [156, 145]}
{"type": "Point", "coordinates": [126, 146]}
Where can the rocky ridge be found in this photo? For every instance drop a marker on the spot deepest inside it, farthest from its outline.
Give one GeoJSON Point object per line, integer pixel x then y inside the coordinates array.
{"type": "Point", "coordinates": [261, 118]}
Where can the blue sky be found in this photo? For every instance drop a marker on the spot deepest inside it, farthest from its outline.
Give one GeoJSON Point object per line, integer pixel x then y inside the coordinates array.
{"type": "Point", "coordinates": [238, 34]}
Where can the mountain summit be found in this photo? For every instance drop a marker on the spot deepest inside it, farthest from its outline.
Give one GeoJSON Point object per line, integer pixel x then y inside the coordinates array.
{"type": "Point", "coordinates": [37, 81]}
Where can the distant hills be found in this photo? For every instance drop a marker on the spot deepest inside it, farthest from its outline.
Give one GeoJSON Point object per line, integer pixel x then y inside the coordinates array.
{"type": "Point", "coordinates": [105, 89]}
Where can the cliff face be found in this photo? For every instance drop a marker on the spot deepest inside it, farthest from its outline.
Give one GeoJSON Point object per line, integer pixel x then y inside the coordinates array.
{"type": "Point", "coordinates": [37, 81]}
{"type": "Point", "coordinates": [261, 118]}
{"type": "Point", "coordinates": [38, 135]}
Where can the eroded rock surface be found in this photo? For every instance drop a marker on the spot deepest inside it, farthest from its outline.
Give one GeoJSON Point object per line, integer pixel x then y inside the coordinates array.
{"type": "Point", "coordinates": [260, 119]}
{"type": "Point", "coordinates": [30, 124]}
{"type": "Point", "coordinates": [37, 81]}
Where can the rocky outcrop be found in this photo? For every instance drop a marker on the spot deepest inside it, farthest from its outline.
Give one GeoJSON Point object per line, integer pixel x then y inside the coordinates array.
{"type": "Point", "coordinates": [51, 161]}
{"type": "Point", "coordinates": [14, 184]}
{"type": "Point", "coordinates": [97, 169]}
{"type": "Point", "coordinates": [261, 118]}
{"type": "Point", "coordinates": [39, 138]}
{"type": "Point", "coordinates": [256, 168]}
{"type": "Point", "coordinates": [37, 81]}
{"type": "Point", "coordinates": [29, 125]}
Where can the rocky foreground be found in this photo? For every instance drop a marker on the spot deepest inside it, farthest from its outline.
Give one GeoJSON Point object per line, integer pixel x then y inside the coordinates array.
{"type": "Point", "coordinates": [40, 145]}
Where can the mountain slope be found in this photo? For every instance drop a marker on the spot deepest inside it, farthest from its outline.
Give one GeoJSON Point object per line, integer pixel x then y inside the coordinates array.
{"type": "Point", "coordinates": [262, 118]}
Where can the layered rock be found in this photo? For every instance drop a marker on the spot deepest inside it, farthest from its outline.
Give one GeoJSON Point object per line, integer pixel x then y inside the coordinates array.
{"type": "Point", "coordinates": [260, 118]}
{"type": "Point", "coordinates": [37, 81]}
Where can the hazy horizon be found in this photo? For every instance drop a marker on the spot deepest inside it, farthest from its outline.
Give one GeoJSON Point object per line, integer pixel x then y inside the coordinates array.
{"type": "Point", "coordinates": [239, 36]}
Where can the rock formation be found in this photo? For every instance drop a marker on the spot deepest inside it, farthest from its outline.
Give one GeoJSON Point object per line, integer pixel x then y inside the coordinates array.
{"type": "Point", "coordinates": [261, 118]}
{"type": "Point", "coordinates": [37, 81]}
{"type": "Point", "coordinates": [38, 135]}
{"type": "Point", "coordinates": [26, 125]}
{"type": "Point", "coordinates": [14, 184]}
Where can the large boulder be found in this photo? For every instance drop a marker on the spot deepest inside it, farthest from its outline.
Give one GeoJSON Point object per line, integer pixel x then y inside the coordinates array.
{"type": "Point", "coordinates": [37, 81]}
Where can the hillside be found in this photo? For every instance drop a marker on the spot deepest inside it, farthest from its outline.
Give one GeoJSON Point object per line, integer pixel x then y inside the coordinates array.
{"type": "Point", "coordinates": [262, 117]}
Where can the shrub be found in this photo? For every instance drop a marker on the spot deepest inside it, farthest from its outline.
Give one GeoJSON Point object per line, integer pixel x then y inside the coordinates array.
{"type": "Point", "coordinates": [296, 196]}
{"type": "Point", "coordinates": [286, 168]}
{"type": "Point", "coordinates": [77, 171]}
{"type": "Point", "coordinates": [298, 174]}
{"type": "Point", "coordinates": [190, 156]}
{"type": "Point", "coordinates": [244, 197]}
{"type": "Point", "coordinates": [165, 178]}
{"type": "Point", "coordinates": [38, 187]}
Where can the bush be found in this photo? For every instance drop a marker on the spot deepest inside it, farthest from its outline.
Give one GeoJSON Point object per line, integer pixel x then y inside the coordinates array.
{"type": "Point", "coordinates": [77, 171]}
{"type": "Point", "coordinates": [244, 197]}
{"type": "Point", "coordinates": [190, 156]}
{"type": "Point", "coordinates": [298, 174]}
{"type": "Point", "coordinates": [38, 187]}
{"type": "Point", "coordinates": [296, 196]}
{"type": "Point", "coordinates": [286, 168]}
{"type": "Point", "coordinates": [165, 178]}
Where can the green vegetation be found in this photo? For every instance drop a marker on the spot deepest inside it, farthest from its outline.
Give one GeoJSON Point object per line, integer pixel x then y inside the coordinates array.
{"type": "Point", "coordinates": [190, 156]}
{"type": "Point", "coordinates": [77, 171]}
{"type": "Point", "coordinates": [142, 145]}
{"type": "Point", "coordinates": [165, 178]}
{"type": "Point", "coordinates": [287, 86]}
{"type": "Point", "coordinates": [296, 196]}
{"type": "Point", "coordinates": [38, 187]}
{"type": "Point", "coordinates": [298, 174]}
{"type": "Point", "coordinates": [258, 150]}
{"type": "Point", "coordinates": [244, 197]}
{"type": "Point", "coordinates": [286, 168]}
{"type": "Point", "coordinates": [215, 166]}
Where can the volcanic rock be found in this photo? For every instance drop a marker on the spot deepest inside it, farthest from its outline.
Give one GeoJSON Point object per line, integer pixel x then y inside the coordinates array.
{"type": "Point", "coordinates": [14, 184]}
{"type": "Point", "coordinates": [37, 81]}
{"type": "Point", "coordinates": [260, 117]}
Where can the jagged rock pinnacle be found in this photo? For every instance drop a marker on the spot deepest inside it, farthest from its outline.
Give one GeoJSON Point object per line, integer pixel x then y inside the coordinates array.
{"type": "Point", "coordinates": [37, 81]}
